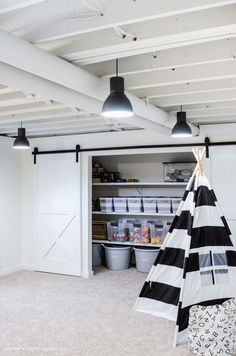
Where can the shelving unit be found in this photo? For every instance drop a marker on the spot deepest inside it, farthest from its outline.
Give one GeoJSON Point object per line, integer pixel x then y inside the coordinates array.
{"type": "Point", "coordinates": [148, 169]}
{"type": "Point", "coordinates": [141, 184]}
{"type": "Point", "coordinates": [124, 243]}
{"type": "Point", "coordinates": [133, 214]}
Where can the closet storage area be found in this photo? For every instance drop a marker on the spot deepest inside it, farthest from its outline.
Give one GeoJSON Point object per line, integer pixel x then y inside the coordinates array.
{"type": "Point", "coordinates": [135, 198]}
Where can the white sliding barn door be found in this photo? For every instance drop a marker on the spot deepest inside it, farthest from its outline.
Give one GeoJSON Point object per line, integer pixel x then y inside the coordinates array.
{"type": "Point", "coordinates": [58, 214]}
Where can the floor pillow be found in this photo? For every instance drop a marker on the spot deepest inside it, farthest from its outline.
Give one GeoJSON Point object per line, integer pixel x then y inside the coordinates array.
{"type": "Point", "coordinates": [212, 329]}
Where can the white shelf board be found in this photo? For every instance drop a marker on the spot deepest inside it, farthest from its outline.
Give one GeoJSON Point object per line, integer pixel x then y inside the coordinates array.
{"type": "Point", "coordinates": [133, 214]}
{"type": "Point", "coordinates": [143, 184]}
{"type": "Point", "coordinates": [128, 243]}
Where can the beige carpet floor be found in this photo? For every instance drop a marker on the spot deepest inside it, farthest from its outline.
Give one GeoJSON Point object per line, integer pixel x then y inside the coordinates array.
{"type": "Point", "coordinates": [56, 315]}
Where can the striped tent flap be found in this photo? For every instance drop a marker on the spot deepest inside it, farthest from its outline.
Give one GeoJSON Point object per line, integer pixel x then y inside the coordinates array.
{"type": "Point", "coordinates": [196, 263]}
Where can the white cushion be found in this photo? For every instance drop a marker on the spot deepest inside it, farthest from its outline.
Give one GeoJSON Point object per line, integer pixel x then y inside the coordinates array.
{"type": "Point", "coordinates": [212, 329]}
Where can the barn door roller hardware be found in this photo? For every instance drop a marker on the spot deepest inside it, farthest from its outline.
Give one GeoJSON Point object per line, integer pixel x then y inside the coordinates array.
{"type": "Point", "coordinates": [36, 152]}
{"type": "Point", "coordinates": [207, 143]}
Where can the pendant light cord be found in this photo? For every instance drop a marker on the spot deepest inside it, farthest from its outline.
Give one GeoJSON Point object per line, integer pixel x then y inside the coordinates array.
{"type": "Point", "coordinates": [117, 67]}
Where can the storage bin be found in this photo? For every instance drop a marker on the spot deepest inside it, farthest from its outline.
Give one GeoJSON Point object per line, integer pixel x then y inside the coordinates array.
{"type": "Point", "coordinates": [178, 171]}
{"type": "Point", "coordinates": [99, 230]}
{"type": "Point", "coordinates": [120, 204]}
{"type": "Point", "coordinates": [135, 233]}
{"type": "Point", "coordinates": [163, 205]}
{"type": "Point", "coordinates": [117, 257]}
{"type": "Point", "coordinates": [145, 257]}
{"type": "Point", "coordinates": [106, 204]}
{"type": "Point", "coordinates": [149, 204]}
{"type": "Point", "coordinates": [117, 231]}
{"type": "Point", "coordinates": [134, 204]}
{"type": "Point", "coordinates": [157, 233]}
{"type": "Point", "coordinates": [175, 202]}
{"type": "Point", "coordinates": [96, 255]}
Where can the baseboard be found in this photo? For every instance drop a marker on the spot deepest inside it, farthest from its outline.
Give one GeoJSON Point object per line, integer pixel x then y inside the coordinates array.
{"type": "Point", "coordinates": [14, 269]}
{"type": "Point", "coordinates": [9, 270]}
{"type": "Point", "coordinates": [87, 274]}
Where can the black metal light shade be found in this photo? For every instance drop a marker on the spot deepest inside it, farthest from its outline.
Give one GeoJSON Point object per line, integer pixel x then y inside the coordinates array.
{"type": "Point", "coordinates": [181, 128]}
{"type": "Point", "coordinates": [117, 104]}
{"type": "Point", "coordinates": [21, 142]}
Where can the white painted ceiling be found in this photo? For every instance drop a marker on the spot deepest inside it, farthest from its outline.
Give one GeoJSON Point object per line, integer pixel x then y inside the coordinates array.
{"type": "Point", "coordinates": [171, 53]}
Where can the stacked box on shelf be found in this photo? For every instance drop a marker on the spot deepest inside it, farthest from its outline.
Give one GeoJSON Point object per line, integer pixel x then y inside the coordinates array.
{"type": "Point", "coordinates": [106, 204]}
{"type": "Point", "coordinates": [134, 204]}
{"type": "Point", "coordinates": [99, 231]}
{"type": "Point", "coordinates": [120, 204]}
{"type": "Point", "coordinates": [164, 205]}
{"type": "Point", "coordinates": [149, 204]}
{"type": "Point", "coordinates": [175, 202]}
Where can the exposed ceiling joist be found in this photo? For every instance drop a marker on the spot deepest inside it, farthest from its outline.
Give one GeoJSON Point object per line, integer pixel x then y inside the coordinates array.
{"type": "Point", "coordinates": [198, 73]}
{"type": "Point", "coordinates": [15, 5]}
{"type": "Point", "coordinates": [222, 51]}
{"type": "Point", "coordinates": [187, 99]}
{"type": "Point", "coordinates": [55, 79]}
{"type": "Point", "coordinates": [160, 34]}
{"type": "Point", "coordinates": [185, 88]}
{"type": "Point", "coordinates": [116, 13]}
{"type": "Point", "coordinates": [200, 106]}
{"type": "Point", "coordinates": [23, 109]}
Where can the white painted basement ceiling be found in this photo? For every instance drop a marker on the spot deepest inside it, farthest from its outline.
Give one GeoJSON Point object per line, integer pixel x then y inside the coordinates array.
{"type": "Point", "coordinates": [171, 53]}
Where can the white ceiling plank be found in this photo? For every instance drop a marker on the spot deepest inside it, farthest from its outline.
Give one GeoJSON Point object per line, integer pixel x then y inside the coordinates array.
{"type": "Point", "coordinates": [116, 13]}
{"type": "Point", "coordinates": [155, 35]}
{"type": "Point", "coordinates": [198, 73]}
{"type": "Point", "coordinates": [24, 109]}
{"type": "Point", "coordinates": [185, 88]}
{"type": "Point", "coordinates": [224, 95]}
{"type": "Point", "coordinates": [208, 112]}
{"type": "Point", "coordinates": [213, 119]}
{"type": "Point", "coordinates": [62, 81]}
{"type": "Point", "coordinates": [201, 106]}
{"type": "Point", "coordinates": [18, 5]}
{"type": "Point", "coordinates": [39, 116]}
{"type": "Point", "coordinates": [222, 50]}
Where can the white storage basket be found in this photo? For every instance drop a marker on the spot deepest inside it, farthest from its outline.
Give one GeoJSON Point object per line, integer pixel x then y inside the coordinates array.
{"type": "Point", "coordinates": [164, 205]}
{"type": "Point", "coordinates": [150, 204]}
{"type": "Point", "coordinates": [106, 204]}
{"type": "Point", "coordinates": [175, 202]}
{"type": "Point", "coordinates": [134, 204]}
{"type": "Point", "coordinates": [120, 204]}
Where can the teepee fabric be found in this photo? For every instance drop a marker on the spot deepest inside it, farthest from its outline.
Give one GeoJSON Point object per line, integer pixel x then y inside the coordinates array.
{"type": "Point", "coordinates": [197, 261]}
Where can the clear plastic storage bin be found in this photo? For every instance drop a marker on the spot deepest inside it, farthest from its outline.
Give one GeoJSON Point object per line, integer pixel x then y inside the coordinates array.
{"type": "Point", "coordinates": [178, 172]}
{"type": "Point", "coordinates": [157, 233]}
{"type": "Point", "coordinates": [117, 231]}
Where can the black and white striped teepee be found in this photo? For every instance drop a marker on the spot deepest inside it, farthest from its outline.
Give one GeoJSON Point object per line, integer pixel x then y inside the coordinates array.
{"type": "Point", "coordinates": [197, 261]}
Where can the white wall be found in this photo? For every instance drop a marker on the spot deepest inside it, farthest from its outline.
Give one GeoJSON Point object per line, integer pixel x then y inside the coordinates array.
{"type": "Point", "coordinates": [10, 208]}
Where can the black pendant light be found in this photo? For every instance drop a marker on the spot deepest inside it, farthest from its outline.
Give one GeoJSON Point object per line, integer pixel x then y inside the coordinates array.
{"type": "Point", "coordinates": [181, 128]}
{"type": "Point", "coordinates": [117, 104]}
{"type": "Point", "coordinates": [21, 142]}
